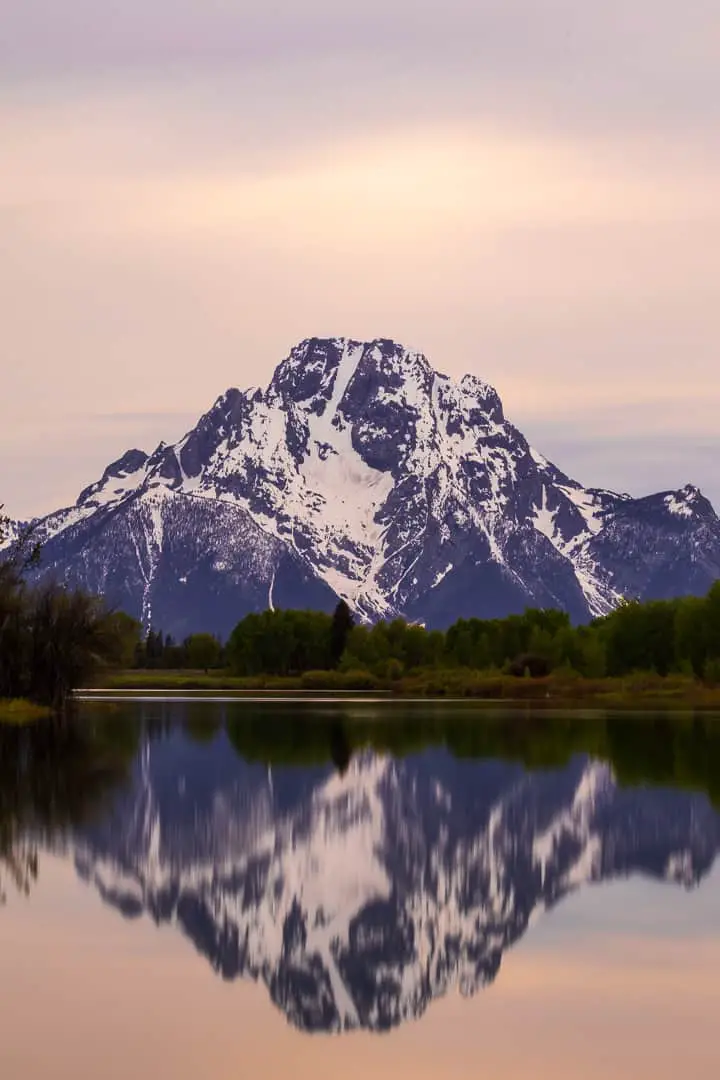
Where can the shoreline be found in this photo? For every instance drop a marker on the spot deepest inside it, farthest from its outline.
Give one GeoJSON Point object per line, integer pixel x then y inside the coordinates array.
{"type": "Point", "coordinates": [450, 687]}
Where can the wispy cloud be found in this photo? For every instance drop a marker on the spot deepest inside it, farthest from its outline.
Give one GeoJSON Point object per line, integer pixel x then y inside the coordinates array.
{"type": "Point", "coordinates": [525, 190]}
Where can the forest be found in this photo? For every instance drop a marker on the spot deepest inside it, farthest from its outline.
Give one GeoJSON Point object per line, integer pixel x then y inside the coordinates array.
{"type": "Point", "coordinates": [663, 638]}
{"type": "Point", "coordinates": [53, 640]}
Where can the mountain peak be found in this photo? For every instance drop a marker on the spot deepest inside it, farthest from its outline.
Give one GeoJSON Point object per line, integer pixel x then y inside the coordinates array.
{"type": "Point", "coordinates": [309, 366]}
{"type": "Point", "coordinates": [319, 370]}
{"type": "Point", "coordinates": [330, 374]}
{"type": "Point", "coordinates": [688, 502]}
{"type": "Point", "coordinates": [121, 477]}
{"type": "Point", "coordinates": [362, 473]}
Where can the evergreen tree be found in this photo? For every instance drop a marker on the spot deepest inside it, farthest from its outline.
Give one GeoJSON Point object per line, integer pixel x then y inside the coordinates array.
{"type": "Point", "coordinates": [342, 624]}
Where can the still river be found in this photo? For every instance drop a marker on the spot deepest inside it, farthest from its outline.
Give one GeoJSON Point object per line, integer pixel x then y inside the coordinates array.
{"type": "Point", "coordinates": [224, 889]}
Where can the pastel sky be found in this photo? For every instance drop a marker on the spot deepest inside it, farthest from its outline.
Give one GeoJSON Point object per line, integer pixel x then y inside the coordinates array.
{"type": "Point", "coordinates": [618, 981]}
{"type": "Point", "coordinates": [527, 190]}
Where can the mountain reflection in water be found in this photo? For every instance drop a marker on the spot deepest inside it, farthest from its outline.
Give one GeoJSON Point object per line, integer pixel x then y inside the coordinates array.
{"type": "Point", "coordinates": [359, 868]}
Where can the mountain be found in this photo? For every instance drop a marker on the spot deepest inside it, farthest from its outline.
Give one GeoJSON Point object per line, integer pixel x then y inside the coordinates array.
{"type": "Point", "coordinates": [10, 531]}
{"type": "Point", "coordinates": [359, 899]}
{"type": "Point", "coordinates": [362, 473]}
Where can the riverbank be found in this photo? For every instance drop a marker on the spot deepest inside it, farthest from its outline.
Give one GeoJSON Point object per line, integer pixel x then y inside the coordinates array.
{"type": "Point", "coordinates": [632, 691]}
{"type": "Point", "coordinates": [19, 711]}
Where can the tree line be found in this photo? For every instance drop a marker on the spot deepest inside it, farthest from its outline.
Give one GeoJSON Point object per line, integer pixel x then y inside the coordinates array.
{"type": "Point", "coordinates": [680, 636]}
{"type": "Point", "coordinates": [268, 643]}
{"type": "Point", "coordinates": [52, 640]}
{"type": "Point", "coordinates": [655, 748]}
{"type": "Point", "coordinates": [161, 652]}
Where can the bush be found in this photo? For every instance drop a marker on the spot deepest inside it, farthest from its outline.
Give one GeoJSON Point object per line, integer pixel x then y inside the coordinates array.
{"type": "Point", "coordinates": [339, 681]}
{"type": "Point", "coordinates": [530, 664]}
{"type": "Point", "coordinates": [711, 672]}
{"type": "Point", "coordinates": [360, 680]}
{"type": "Point", "coordinates": [393, 669]}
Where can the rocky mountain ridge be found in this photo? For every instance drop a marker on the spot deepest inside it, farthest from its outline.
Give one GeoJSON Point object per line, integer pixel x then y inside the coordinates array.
{"type": "Point", "coordinates": [362, 473]}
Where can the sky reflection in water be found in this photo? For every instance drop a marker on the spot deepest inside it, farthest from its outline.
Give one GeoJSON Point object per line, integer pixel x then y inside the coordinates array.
{"type": "Point", "coordinates": [359, 899]}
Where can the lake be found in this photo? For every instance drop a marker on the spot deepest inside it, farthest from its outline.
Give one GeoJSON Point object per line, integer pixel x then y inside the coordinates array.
{"type": "Point", "coordinates": [228, 888]}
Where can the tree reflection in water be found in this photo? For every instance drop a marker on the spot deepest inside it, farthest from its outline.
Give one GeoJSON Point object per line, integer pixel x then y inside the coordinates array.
{"type": "Point", "coordinates": [57, 775]}
{"type": "Point", "coordinates": [359, 860]}
{"type": "Point", "coordinates": [54, 776]}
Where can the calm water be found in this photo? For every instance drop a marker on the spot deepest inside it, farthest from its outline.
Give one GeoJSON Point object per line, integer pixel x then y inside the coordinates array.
{"type": "Point", "coordinates": [219, 890]}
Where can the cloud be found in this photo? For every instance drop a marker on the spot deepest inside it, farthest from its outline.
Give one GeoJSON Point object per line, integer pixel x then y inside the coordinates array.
{"type": "Point", "coordinates": [526, 190]}
{"type": "Point", "coordinates": [646, 64]}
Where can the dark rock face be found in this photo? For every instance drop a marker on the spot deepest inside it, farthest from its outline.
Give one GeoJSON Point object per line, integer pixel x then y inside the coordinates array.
{"type": "Point", "coordinates": [661, 546]}
{"type": "Point", "coordinates": [362, 473]}
{"type": "Point", "coordinates": [119, 472]}
{"type": "Point", "coordinates": [358, 899]}
{"type": "Point", "coordinates": [177, 562]}
{"type": "Point", "coordinates": [308, 373]}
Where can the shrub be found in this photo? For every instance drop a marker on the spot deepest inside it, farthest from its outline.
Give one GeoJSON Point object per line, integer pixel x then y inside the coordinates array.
{"type": "Point", "coordinates": [531, 664]}
{"type": "Point", "coordinates": [711, 672]}
{"type": "Point", "coordinates": [340, 681]}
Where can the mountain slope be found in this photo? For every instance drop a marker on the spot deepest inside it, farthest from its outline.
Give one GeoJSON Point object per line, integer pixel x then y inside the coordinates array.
{"type": "Point", "coordinates": [362, 473]}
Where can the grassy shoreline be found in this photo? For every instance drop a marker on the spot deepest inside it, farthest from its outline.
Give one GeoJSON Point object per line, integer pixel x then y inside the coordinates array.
{"type": "Point", "coordinates": [632, 691]}
{"type": "Point", "coordinates": [20, 711]}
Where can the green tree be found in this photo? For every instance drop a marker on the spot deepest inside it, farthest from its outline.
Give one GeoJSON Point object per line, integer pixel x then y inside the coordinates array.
{"type": "Point", "coordinates": [125, 633]}
{"type": "Point", "coordinates": [713, 621]}
{"type": "Point", "coordinates": [280, 643]}
{"type": "Point", "coordinates": [591, 658]}
{"type": "Point", "coordinates": [342, 624]}
{"type": "Point", "coordinates": [691, 633]}
{"type": "Point", "coordinates": [203, 651]}
{"type": "Point", "coordinates": [71, 634]}
{"type": "Point", "coordinates": [640, 637]}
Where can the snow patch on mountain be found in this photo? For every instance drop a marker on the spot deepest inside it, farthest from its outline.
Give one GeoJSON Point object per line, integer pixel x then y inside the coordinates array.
{"type": "Point", "coordinates": [544, 519]}
{"type": "Point", "coordinates": [383, 482]}
{"type": "Point", "coordinates": [589, 505]}
{"type": "Point", "coordinates": [683, 503]}
{"type": "Point", "coordinates": [10, 532]}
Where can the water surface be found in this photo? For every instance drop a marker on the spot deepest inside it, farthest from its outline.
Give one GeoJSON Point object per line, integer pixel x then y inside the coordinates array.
{"type": "Point", "coordinates": [225, 889]}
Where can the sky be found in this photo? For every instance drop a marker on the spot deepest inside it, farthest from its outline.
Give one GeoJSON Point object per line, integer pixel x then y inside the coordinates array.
{"type": "Point", "coordinates": [526, 190]}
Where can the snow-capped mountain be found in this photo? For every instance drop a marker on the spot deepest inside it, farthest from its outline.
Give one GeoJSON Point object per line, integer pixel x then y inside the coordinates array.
{"type": "Point", "coordinates": [358, 899]}
{"type": "Point", "coordinates": [362, 473]}
{"type": "Point", "coordinates": [10, 531]}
